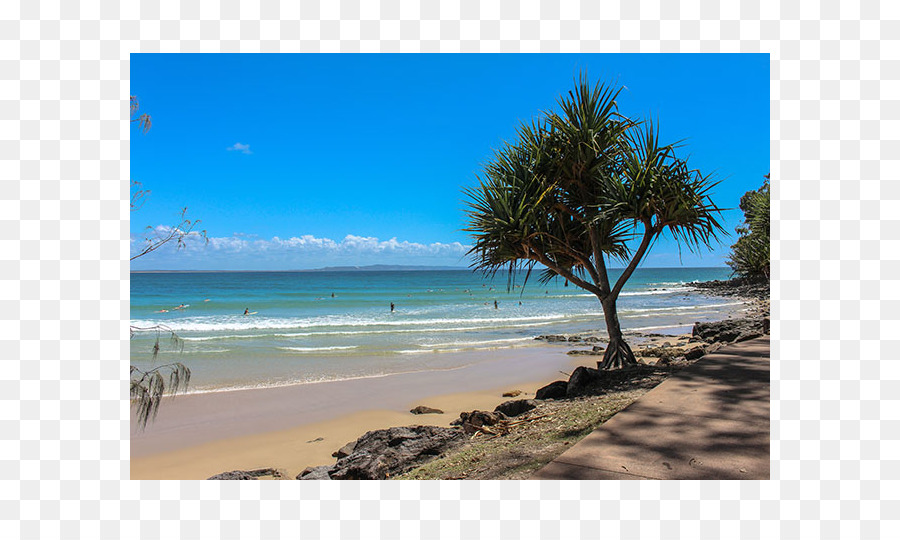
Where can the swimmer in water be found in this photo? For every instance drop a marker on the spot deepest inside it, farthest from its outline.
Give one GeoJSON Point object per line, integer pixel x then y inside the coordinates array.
{"type": "Point", "coordinates": [392, 307]}
{"type": "Point", "coordinates": [247, 311]}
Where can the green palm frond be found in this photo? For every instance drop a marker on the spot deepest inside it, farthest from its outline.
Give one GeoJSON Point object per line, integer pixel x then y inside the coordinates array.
{"type": "Point", "coordinates": [584, 177]}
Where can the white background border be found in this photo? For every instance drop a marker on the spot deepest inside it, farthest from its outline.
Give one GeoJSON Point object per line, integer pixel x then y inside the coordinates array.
{"type": "Point", "coordinates": [64, 287]}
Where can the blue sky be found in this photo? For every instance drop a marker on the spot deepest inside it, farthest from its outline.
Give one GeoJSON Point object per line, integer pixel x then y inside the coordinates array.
{"type": "Point", "coordinates": [312, 160]}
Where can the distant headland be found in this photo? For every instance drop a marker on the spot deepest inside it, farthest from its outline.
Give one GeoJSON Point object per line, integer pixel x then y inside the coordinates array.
{"type": "Point", "coordinates": [368, 268]}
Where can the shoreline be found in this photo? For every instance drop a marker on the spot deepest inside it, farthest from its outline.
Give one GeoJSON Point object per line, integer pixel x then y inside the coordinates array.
{"type": "Point", "coordinates": [305, 445]}
{"type": "Point", "coordinates": [292, 427]}
{"type": "Point", "coordinates": [194, 431]}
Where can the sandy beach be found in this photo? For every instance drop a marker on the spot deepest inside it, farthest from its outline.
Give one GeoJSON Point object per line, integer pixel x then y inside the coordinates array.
{"type": "Point", "coordinates": [290, 428]}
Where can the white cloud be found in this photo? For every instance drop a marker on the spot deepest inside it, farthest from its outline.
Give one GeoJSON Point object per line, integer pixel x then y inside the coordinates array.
{"type": "Point", "coordinates": [306, 251]}
{"type": "Point", "coordinates": [238, 147]}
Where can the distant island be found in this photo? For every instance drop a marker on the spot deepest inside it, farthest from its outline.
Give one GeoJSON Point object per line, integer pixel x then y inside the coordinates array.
{"type": "Point", "coordinates": [383, 268]}
{"type": "Point", "coordinates": [368, 268]}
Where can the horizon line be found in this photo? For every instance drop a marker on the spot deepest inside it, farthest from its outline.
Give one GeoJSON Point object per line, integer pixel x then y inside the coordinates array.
{"type": "Point", "coordinates": [412, 269]}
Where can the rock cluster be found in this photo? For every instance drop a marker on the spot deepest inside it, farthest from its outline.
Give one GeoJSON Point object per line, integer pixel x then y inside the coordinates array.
{"type": "Point", "coordinates": [743, 287]}
{"type": "Point", "coordinates": [659, 351]}
{"type": "Point", "coordinates": [384, 453]}
{"type": "Point", "coordinates": [560, 338]}
{"type": "Point", "coordinates": [246, 475]}
{"type": "Point", "coordinates": [596, 350]}
{"type": "Point", "coordinates": [731, 330]}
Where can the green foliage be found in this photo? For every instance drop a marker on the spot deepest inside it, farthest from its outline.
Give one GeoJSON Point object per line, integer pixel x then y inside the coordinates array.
{"type": "Point", "coordinates": [576, 188]}
{"type": "Point", "coordinates": [149, 387]}
{"type": "Point", "coordinates": [750, 254]}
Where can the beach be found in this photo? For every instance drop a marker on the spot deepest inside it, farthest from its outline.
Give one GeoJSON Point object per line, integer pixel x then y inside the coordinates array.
{"type": "Point", "coordinates": [286, 391]}
{"type": "Point", "coordinates": [196, 436]}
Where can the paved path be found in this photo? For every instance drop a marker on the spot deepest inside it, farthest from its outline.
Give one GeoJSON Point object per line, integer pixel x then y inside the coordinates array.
{"type": "Point", "coordinates": [708, 421]}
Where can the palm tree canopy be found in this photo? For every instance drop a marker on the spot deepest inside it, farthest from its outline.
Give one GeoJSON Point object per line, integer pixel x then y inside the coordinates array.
{"type": "Point", "coordinates": [576, 185]}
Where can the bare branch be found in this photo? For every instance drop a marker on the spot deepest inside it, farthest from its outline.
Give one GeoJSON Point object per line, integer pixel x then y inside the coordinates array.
{"type": "Point", "coordinates": [177, 233]}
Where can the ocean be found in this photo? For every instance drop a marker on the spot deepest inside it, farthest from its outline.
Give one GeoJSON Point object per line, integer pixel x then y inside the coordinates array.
{"type": "Point", "coordinates": [307, 327]}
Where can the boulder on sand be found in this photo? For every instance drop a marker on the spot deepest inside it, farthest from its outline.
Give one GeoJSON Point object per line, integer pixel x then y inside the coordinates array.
{"type": "Point", "coordinates": [345, 450]}
{"type": "Point", "coordinates": [515, 407]}
{"type": "Point", "coordinates": [554, 390]}
{"type": "Point", "coordinates": [388, 452]}
{"type": "Point", "coordinates": [576, 352]}
{"type": "Point", "coordinates": [512, 393]}
{"type": "Point", "coordinates": [694, 353]}
{"type": "Point", "coordinates": [246, 475]}
{"type": "Point", "coordinates": [421, 409]}
{"type": "Point", "coordinates": [580, 380]}
{"type": "Point", "coordinates": [315, 473]}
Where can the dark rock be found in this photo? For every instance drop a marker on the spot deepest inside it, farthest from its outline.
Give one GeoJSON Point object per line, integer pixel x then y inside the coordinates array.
{"type": "Point", "coordinates": [246, 475]}
{"type": "Point", "coordinates": [730, 331]}
{"type": "Point", "coordinates": [554, 390]}
{"type": "Point", "coordinates": [598, 348]}
{"type": "Point", "coordinates": [515, 407]}
{"type": "Point", "coordinates": [421, 409]}
{"type": "Point", "coordinates": [513, 393]}
{"type": "Point", "coordinates": [747, 335]}
{"type": "Point", "coordinates": [742, 287]}
{"type": "Point", "coordinates": [471, 421]}
{"type": "Point", "coordinates": [695, 353]}
{"type": "Point", "coordinates": [317, 439]}
{"type": "Point", "coordinates": [591, 339]}
{"type": "Point", "coordinates": [233, 475]}
{"type": "Point", "coordinates": [385, 453]}
{"type": "Point", "coordinates": [579, 352]}
{"type": "Point", "coordinates": [659, 351]}
{"type": "Point", "coordinates": [574, 338]}
{"type": "Point", "coordinates": [580, 380]}
{"type": "Point", "coordinates": [315, 473]}
{"type": "Point", "coordinates": [665, 358]}
{"type": "Point", "coordinates": [552, 338]}
{"type": "Point", "coordinates": [345, 450]}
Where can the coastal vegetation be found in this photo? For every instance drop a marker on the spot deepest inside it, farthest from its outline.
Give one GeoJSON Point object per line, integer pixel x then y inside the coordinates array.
{"type": "Point", "coordinates": [149, 387]}
{"type": "Point", "coordinates": [749, 256]}
{"type": "Point", "coordinates": [581, 186]}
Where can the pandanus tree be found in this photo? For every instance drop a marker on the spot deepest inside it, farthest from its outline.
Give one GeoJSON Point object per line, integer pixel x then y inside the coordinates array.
{"type": "Point", "coordinates": [581, 188]}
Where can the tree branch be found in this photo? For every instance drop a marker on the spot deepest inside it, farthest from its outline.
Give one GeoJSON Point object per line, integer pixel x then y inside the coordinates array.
{"type": "Point", "coordinates": [602, 277]}
{"type": "Point", "coordinates": [565, 273]}
{"type": "Point", "coordinates": [649, 231]}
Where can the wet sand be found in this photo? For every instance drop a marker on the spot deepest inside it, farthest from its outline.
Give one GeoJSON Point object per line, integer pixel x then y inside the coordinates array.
{"type": "Point", "coordinates": [198, 435]}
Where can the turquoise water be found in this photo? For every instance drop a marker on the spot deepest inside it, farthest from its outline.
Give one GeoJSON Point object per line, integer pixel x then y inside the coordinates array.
{"type": "Point", "coordinates": [301, 333]}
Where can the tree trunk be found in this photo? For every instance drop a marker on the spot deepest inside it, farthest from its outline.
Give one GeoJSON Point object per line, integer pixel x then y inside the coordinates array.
{"type": "Point", "coordinates": [618, 354]}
